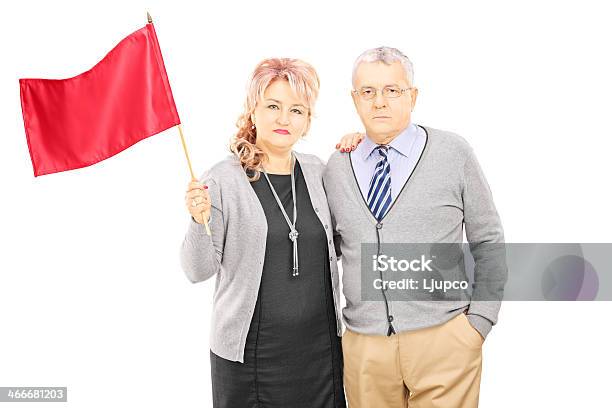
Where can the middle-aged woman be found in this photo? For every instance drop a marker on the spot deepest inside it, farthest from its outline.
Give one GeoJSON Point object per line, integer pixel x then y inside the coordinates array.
{"type": "Point", "coordinates": [276, 321]}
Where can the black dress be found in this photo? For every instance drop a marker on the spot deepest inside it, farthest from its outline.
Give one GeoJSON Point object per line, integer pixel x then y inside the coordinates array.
{"type": "Point", "coordinates": [293, 357]}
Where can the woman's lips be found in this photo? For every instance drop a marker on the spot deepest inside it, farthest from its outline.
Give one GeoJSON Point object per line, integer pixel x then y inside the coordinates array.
{"type": "Point", "coordinates": [281, 131]}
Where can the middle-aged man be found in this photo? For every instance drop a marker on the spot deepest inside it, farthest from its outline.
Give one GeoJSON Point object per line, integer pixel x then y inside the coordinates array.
{"type": "Point", "coordinates": [407, 183]}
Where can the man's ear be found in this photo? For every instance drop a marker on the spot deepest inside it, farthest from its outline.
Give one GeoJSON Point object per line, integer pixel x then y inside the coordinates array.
{"type": "Point", "coordinates": [413, 95]}
{"type": "Point", "coordinates": [354, 96]}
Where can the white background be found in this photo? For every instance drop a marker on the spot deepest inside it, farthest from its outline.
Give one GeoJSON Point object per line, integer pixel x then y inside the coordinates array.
{"type": "Point", "coordinates": [91, 292]}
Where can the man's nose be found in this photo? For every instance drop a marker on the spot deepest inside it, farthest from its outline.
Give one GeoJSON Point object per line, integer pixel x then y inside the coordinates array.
{"type": "Point", "coordinates": [380, 101]}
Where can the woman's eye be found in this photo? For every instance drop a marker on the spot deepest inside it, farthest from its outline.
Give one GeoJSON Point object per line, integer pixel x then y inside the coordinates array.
{"type": "Point", "coordinates": [299, 112]}
{"type": "Point", "coordinates": [272, 106]}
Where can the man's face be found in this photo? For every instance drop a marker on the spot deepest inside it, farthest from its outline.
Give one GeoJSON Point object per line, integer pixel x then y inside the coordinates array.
{"type": "Point", "coordinates": [384, 117]}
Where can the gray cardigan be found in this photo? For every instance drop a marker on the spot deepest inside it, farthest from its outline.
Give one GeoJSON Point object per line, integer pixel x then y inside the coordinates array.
{"type": "Point", "coordinates": [446, 190]}
{"type": "Point", "coordinates": [235, 250]}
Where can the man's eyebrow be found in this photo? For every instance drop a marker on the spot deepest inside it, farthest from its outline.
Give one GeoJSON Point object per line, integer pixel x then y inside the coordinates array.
{"type": "Point", "coordinates": [372, 86]}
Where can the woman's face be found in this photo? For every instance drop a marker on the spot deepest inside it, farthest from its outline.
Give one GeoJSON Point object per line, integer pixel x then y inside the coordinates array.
{"type": "Point", "coordinates": [281, 118]}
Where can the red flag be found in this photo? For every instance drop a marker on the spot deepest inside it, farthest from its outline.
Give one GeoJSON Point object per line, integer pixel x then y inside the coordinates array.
{"type": "Point", "coordinates": [76, 122]}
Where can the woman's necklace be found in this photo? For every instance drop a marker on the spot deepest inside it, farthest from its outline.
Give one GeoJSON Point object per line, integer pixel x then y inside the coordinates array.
{"type": "Point", "coordinates": [293, 234]}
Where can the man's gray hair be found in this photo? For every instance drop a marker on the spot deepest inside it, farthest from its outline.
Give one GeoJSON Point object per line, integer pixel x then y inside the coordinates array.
{"type": "Point", "coordinates": [387, 55]}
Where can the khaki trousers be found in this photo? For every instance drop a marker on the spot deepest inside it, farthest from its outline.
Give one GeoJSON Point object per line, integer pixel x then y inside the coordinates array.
{"type": "Point", "coordinates": [437, 366]}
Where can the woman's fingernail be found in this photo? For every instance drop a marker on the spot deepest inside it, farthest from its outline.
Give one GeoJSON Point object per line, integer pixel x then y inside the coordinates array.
{"type": "Point", "coordinates": [205, 187]}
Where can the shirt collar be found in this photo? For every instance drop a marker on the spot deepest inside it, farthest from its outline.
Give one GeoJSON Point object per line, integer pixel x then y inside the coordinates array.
{"type": "Point", "coordinates": [402, 143]}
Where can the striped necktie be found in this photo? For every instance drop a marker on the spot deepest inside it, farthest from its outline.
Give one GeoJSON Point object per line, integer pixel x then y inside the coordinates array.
{"type": "Point", "coordinates": [379, 193]}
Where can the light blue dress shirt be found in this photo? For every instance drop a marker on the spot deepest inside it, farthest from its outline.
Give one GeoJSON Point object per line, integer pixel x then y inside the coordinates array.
{"type": "Point", "coordinates": [404, 153]}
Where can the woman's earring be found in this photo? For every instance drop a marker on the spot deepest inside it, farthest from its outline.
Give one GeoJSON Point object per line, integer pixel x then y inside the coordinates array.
{"type": "Point", "coordinates": [253, 126]}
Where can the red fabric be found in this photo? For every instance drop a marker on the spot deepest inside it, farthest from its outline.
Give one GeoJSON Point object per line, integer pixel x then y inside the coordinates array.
{"type": "Point", "coordinates": [76, 122]}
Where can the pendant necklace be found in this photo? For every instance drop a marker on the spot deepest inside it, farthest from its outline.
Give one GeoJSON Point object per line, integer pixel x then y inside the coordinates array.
{"type": "Point", "coordinates": [293, 234]}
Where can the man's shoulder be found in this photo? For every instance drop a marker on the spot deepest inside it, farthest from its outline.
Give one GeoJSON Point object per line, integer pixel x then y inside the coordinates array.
{"type": "Point", "coordinates": [336, 159]}
{"type": "Point", "coordinates": [447, 140]}
{"type": "Point", "coordinates": [335, 164]}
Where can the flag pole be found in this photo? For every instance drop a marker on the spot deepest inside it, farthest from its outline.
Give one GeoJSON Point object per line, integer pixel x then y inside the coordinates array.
{"type": "Point", "coordinates": [180, 129]}
{"type": "Point", "coordinates": [193, 177]}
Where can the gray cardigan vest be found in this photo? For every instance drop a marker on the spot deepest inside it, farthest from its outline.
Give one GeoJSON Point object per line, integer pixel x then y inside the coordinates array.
{"type": "Point", "coordinates": [446, 190]}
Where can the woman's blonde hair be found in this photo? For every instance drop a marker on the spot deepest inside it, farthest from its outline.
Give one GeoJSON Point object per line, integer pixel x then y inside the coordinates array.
{"type": "Point", "coordinates": [303, 80]}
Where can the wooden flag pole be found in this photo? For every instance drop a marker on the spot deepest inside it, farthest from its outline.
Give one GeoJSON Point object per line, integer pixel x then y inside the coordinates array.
{"type": "Point", "coordinates": [193, 177]}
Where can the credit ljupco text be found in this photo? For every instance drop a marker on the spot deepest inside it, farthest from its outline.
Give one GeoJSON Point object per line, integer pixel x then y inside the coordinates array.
{"type": "Point", "coordinates": [384, 263]}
